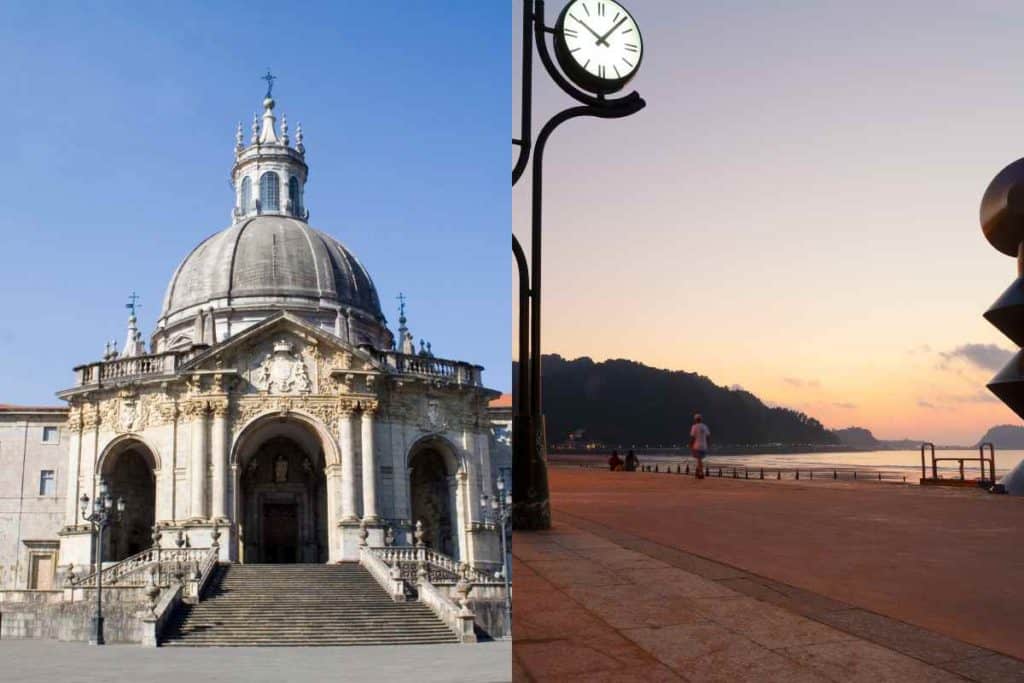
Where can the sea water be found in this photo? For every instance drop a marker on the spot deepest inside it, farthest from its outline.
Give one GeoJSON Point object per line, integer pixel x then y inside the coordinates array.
{"type": "Point", "coordinates": [899, 462]}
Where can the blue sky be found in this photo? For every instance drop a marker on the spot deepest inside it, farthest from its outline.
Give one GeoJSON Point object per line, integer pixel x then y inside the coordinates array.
{"type": "Point", "coordinates": [119, 125]}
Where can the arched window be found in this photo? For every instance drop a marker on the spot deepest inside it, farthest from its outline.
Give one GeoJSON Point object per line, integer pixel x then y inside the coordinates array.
{"type": "Point", "coordinates": [246, 205]}
{"type": "Point", "coordinates": [270, 192]}
{"type": "Point", "coordinates": [293, 194]}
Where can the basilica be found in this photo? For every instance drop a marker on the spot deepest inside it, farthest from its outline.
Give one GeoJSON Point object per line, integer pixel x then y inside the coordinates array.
{"type": "Point", "coordinates": [273, 417]}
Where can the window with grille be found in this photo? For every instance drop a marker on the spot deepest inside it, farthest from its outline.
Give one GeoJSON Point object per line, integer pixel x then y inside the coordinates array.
{"type": "Point", "coordinates": [270, 192]}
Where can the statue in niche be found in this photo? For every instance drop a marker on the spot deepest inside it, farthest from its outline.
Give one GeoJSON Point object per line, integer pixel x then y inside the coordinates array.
{"type": "Point", "coordinates": [281, 469]}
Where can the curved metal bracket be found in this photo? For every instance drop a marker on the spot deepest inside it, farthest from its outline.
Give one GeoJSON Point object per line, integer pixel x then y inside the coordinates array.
{"type": "Point", "coordinates": [526, 99]}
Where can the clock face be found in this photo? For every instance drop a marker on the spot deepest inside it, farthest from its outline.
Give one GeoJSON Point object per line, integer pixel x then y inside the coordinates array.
{"type": "Point", "coordinates": [598, 44]}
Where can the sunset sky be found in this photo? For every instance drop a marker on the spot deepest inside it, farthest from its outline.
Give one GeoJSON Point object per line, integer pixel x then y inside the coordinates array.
{"type": "Point", "coordinates": [796, 210]}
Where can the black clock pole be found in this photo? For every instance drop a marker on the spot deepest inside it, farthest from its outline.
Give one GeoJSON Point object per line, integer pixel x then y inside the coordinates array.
{"type": "Point", "coordinates": [531, 509]}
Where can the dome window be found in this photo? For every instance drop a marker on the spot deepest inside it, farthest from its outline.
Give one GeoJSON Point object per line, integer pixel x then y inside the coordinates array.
{"type": "Point", "coordinates": [270, 192]}
{"type": "Point", "coordinates": [246, 202]}
{"type": "Point", "coordinates": [293, 195]}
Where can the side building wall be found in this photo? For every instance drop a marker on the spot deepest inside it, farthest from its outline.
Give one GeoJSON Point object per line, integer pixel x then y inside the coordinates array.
{"type": "Point", "coordinates": [33, 481]}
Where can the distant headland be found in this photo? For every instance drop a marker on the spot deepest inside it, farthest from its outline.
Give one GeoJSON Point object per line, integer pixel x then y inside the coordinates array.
{"type": "Point", "coordinates": [623, 403]}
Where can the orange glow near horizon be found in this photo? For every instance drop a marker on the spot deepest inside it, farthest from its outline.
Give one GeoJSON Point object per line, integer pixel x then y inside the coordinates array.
{"type": "Point", "coordinates": [795, 211]}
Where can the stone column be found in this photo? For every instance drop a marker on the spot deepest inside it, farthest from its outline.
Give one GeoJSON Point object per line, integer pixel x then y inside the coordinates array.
{"type": "Point", "coordinates": [197, 464]}
{"type": "Point", "coordinates": [369, 469]}
{"type": "Point", "coordinates": [219, 444]}
{"type": "Point", "coordinates": [348, 468]}
{"type": "Point", "coordinates": [74, 462]}
{"type": "Point", "coordinates": [334, 483]}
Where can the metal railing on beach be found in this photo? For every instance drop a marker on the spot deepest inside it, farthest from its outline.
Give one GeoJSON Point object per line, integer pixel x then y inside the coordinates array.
{"type": "Point", "coordinates": [716, 471]}
{"type": "Point", "coordinates": [962, 480]}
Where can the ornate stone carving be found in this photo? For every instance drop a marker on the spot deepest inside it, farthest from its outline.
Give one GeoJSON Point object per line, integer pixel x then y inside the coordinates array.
{"type": "Point", "coordinates": [220, 407]}
{"type": "Point", "coordinates": [283, 371]}
{"type": "Point", "coordinates": [167, 412]}
{"type": "Point", "coordinates": [194, 408]}
{"type": "Point", "coordinates": [90, 417]}
{"type": "Point", "coordinates": [75, 419]}
{"type": "Point", "coordinates": [434, 419]}
{"type": "Point", "coordinates": [108, 412]}
{"type": "Point", "coordinates": [132, 415]}
{"type": "Point", "coordinates": [281, 469]}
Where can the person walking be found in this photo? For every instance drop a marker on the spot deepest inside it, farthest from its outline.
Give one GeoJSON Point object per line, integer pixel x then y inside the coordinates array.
{"type": "Point", "coordinates": [700, 438]}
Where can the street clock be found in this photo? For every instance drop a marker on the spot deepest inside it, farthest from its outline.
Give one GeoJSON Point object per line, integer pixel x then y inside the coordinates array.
{"type": "Point", "coordinates": [598, 45]}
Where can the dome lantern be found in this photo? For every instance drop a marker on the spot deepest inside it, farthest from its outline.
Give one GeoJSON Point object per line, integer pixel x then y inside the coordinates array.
{"type": "Point", "coordinates": [269, 176]}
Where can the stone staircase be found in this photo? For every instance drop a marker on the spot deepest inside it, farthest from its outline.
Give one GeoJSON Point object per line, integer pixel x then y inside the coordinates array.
{"type": "Point", "coordinates": [301, 605]}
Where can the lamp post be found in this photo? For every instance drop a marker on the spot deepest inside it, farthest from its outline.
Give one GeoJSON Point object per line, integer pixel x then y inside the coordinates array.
{"type": "Point", "coordinates": [499, 509]}
{"type": "Point", "coordinates": [103, 514]}
{"type": "Point", "coordinates": [587, 70]}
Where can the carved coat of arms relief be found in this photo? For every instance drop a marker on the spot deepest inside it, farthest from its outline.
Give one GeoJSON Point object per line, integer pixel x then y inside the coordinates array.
{"type": "Point", "coordinates": [283, 371]}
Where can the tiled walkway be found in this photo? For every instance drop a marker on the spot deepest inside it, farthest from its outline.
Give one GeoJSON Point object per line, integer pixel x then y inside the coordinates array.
{"type": "Point", "coordinates": [590, 608]}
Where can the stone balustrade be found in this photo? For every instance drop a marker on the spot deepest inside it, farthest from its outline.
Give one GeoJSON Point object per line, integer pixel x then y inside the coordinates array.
{"type": "Point", "coordinates": [427, 366]}
{"type": "Point", "coordinates": [128, 368]}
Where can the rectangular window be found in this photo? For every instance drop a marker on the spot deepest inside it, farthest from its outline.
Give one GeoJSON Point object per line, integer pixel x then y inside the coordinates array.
{"type": "Point", "coordinates": [47, 484]}
{"type": "Point", "coordinates": [51, 434]}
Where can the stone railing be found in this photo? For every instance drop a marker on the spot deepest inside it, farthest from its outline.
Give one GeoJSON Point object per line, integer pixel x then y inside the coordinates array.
{"type": "Point", "coordinates": [131, 367]}
{"type": "Point", "coordinates": [397, 568]}
{"type": "Point", "coordinates": [428, 366]}
{"type": "Point", "coordinates": [388, 576]}
{"type": "Point", "coordinates": [440, 568]}
{"type": "Point", "coordinates": [193, 565]}
{"type": "Point", "coordinates": [456, 615]}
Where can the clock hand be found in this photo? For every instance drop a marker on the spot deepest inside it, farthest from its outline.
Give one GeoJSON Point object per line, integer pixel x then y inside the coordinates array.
{"type": "Point", "coordinates": [593, 33]}
{"type": "Point", "coordinates": [602, 39]}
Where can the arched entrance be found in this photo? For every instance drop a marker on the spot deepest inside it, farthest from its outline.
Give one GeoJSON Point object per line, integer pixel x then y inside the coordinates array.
{"type": "Point", "coordinates": [432, 486]}
{"type": "Point", "coordinates": [282, 503]}
{"type": "Point", "coordinates": [129, 471]}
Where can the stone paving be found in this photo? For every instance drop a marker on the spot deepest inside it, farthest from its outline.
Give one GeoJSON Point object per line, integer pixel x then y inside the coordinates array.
{"type": "Point", "coordinates": [41, 661]}
{"type": "Point", "coordinates": [595, 602]}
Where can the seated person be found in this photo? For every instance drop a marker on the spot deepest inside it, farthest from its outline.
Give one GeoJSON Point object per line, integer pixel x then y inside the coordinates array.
{"type": "Point", "coordinates": [615, 462]}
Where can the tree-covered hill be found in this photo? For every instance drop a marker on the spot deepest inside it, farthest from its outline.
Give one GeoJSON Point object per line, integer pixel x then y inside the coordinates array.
{"type": "Point", "coordinates": [625, 402]}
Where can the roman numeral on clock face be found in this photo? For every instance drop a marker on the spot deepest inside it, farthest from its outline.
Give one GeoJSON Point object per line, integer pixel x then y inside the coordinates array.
{"type": "Point", "coordinates": [600, 9]}
{"type": "Point", "coordinates": [601, 70]}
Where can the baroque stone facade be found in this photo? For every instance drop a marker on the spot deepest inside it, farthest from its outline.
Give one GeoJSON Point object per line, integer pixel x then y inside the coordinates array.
{"type": "Point", "coordinates": [274, 405]}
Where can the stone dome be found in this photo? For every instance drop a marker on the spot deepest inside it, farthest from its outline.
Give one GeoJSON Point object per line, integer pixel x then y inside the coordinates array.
{"type": "Point", "coordinates": [269, 261]}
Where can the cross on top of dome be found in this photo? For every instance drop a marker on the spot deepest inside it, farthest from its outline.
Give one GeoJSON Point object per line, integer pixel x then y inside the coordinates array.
{"type": "Point", "coordinates": [269, 78]}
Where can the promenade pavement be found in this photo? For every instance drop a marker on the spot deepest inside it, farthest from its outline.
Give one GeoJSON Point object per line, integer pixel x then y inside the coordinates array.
{"type": "Point", "coordinates": [661, 577]}
{"type": "Point", "coordinates": [40, 661]}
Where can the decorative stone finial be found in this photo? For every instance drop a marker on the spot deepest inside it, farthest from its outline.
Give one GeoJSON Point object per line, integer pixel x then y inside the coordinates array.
{"type": "Point", "coordinates": [156, 536]}
{"type": "Point", "coordinates": [239, 140]}
{"type": "Point", "coordinates": [268, 135]}
{"type": "Point", "coordinates": [179, 540]}
{"type": "Point", "coordinates": [284, 130]}
{"type": "Point", "coordinates": [215, 536]}
{"type": "Point", "coordinates": [419, 533]}
{"type": "Point", "coordinates": [152, 590]}
{"type": "Point", "coordinates": [255, 129]}
{"type": "Point", "coordinates": [363, 533]}
{"type": "Point", "coordinates": [389, 537]}
{"type": "Point", "coordinates": [299, 147]}
{"type": "Point", "coordinates": [133, 344]}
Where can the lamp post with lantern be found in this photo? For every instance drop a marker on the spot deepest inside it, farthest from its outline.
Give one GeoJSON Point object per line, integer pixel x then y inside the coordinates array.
{"type": "Point", "coordinates": [104, 512]}
{"type": "Point", "coordinates": [498, 508]}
